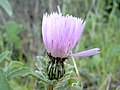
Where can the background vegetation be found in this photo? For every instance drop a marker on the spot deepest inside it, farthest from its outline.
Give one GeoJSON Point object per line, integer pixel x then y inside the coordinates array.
{"type": "Point", "coordinates": [20, 34]}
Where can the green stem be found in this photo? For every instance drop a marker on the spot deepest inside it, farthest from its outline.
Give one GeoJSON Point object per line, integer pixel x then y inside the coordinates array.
{"type": "Point", "coordinates": [50, 87]}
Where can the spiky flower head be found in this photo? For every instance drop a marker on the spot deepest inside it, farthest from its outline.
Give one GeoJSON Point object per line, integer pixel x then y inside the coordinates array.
{"type": "Point", "coordinates": [61, 33]}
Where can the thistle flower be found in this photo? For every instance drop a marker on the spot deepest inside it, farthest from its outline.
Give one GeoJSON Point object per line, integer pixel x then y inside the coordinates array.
{"type": "Point", "coordinates": [60, 35]}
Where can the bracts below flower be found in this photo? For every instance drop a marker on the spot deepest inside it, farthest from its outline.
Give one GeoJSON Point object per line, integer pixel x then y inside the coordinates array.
{"type": "Point", "coordinates": [55, 68]}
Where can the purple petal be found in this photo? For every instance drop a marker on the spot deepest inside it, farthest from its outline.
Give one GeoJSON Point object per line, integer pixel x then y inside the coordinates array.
{"type": "Point", "coordinates": [61, 33]}
{"type": "Point", "coordinates": [79, 29]}
{"type": "Point", "coordinates": [87, 53]}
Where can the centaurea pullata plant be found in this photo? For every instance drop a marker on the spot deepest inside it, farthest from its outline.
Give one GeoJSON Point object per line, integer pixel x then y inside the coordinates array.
{"type": "Point", "coordinates": [60, 35]}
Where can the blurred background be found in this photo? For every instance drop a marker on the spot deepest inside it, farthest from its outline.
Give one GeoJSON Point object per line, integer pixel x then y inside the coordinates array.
{"type": "Point", "coordinates": [20, 33]}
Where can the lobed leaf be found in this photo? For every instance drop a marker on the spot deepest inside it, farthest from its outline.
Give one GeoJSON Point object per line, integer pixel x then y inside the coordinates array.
{"type": "Point", "coordinates": [14, 65]}
{"type": "Point", "coordinates": [23, 71]}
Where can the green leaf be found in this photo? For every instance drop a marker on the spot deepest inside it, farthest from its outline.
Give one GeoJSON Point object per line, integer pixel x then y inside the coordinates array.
{"type": "Point", "coordinates": [3, 55]}
{"type": "Point", "coordinates": [69, 70]}
{"type": "Point", "coordinates": [68, 83]}
{"type": "Point", "coordinates": [4, 84]}
{"type": "Point", "coordinates": [13, 66]}
{"type": "Point", "coordinates": [72, 81]}
{"type": "Point", "coordinates": [41, 74]}
{"type": "Point", "coordinates": [41, 61]}
{"type": "Point", "coordinates": [13, 29]}
{"type": "Point", "coordinates": [69, 67]}
{"type": "Point", "coordinates": [23, 71]}
{"type": "Point", "coordinates": [6, 5]}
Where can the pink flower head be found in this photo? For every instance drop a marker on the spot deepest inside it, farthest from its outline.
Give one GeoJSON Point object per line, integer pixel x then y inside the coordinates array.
{"type": "Point", "coordinates": [61, 33]}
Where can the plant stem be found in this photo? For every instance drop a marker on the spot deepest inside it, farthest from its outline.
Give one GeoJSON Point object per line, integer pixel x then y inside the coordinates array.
{"type": "Point", "coordinates": [50, 87]}
{"type": "Point", "coordinates": [76, 69]}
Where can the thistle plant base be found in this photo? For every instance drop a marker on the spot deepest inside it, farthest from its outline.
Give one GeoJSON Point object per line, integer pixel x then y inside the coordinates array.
{"type": "Point", "coordinates": [55, 67]}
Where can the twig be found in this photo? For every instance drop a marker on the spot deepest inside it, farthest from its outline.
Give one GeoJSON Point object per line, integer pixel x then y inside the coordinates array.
{"type": "Point", "coordinates": [108, 79]}
{"type": "Point", "coordinates": [109, 82]}
{"type": "Point", "coordinates": [76, 69]}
